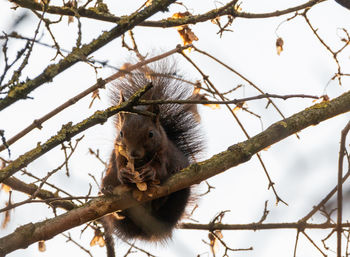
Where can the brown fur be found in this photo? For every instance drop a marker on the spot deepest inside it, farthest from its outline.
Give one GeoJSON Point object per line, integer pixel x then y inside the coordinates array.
{"type": "Point", "coordinates": [156, 147]}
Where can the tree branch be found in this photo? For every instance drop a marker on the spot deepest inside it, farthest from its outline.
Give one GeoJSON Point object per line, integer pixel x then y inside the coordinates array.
{"type": "Point", "coordinates": [228, 9]}
{"type": "Point", "coordinates": [262, 226]}
{"type": "Point", "coordinates": [195, 173]}
{"type": "Point", "coordinates": [233, 101]}
{"type": "Point", "coordinates": [30, 189]}
{"type": "Point", "coordinates": [342, 153]}
{"type": "Point", "coordinates": [37, 123]}
{"type": "Point", "coordinates": [21, 91]}
{"type": "Point", "coordinates": [67, 132]}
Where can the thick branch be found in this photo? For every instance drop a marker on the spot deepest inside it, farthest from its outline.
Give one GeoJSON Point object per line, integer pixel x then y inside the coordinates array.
{"type": "Point", "coordinates": [195, 173]}
{"type": "Point", "coordinates": [22, 90]}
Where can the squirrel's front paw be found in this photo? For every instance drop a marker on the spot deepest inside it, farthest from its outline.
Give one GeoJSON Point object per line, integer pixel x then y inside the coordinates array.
{"type": "Point", "coordinates": [126, 176]}
{"type": "Point", "coordinates": [148, 174]}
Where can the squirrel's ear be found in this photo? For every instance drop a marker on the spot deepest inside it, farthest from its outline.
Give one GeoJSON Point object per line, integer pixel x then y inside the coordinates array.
{"type": "Point", "coordinates": [120, 119]}
{"type": "Point", "coordinates": [120, 115]}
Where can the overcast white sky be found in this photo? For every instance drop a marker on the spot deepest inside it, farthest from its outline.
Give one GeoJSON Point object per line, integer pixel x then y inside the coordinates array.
{"type": "Point", "coordinates": [304, 170]}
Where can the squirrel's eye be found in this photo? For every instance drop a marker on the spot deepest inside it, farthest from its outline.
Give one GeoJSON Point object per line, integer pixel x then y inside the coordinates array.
{"type": "Point", "coordinates": [121, 134]}
{"type": "Point", "coordinates": [150, 134]}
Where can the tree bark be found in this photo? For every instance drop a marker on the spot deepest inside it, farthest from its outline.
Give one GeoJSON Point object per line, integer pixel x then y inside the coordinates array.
{"type": "Point", "coordinates": [195, 173]}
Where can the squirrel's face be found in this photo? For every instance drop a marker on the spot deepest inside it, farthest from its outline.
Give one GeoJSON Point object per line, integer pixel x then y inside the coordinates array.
{"type": "Point", "coordinates": [139, 137]}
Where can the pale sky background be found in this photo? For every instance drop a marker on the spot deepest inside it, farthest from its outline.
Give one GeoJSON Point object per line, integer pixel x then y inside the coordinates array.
{"type": "Point", "coordinates": [304, 171]}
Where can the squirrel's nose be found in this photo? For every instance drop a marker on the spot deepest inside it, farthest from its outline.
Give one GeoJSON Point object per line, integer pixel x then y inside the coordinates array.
{"type": "Point", "coordinates": [135, 154]}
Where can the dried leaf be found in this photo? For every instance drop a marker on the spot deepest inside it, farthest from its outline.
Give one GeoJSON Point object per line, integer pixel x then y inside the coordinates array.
{"type": "Point", "coordinates": [5, 188]}
{"type": "Point", "coordinates": [214, 246]}
{"type": "Point", "coordinates": [238, 107]}
{"type": "Point", "coordinates": [187, 35]}
{"type": "Point", "coordinates": [118, 216]}
{"type": "Point", "coordinates": [142, 186]}
{"type": "Point", "coordinates": [98, 239]}
{"type": "Point", "coordinates": [148, 3]}
{"type": "Point", "coordinates": [93, 242]}
{"type": "Point", "coordinates": [7, 218]}
{"type": "Point", "coordinates": [325, 98]}
{"type": "Point", "coordinates": [122, 151]}
{"type": "Point", "coordinates": [238, 8]}
{"type": "Point", "coordinates": [196, 91]}
{"type": "Point", "coordinates": [214, 242]}
{"type": "Point", "coordinates": [211, 238]}
{"type": "Point", "coordinates": [219, 234]}
{"type": "Point", "coordinates": [279, 45]}
{"type": "Point", "coordinates": [180, 15]}
{"type": "Point", "coordinates": [42, 246]}
{"type": "Point", "coordinates": [101, 242]}
{"type": "Point", "coordinates": [213, 106]}
{"type": "Point", "coordinates": [70, 19]}
{"type": "Point", "coordinates": [185, 32]}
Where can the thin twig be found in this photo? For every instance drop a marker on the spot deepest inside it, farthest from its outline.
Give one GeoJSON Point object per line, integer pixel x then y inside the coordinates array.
{"type": "Point", "coordinates": [169, 22]}
{"type": "Point", "coordinates": [333, 53]}
{"type": "Point", "coordinates": [242, 77]}
{"type": "Point", "coordinates": [262, 226]}
{"type": "Point", "coordinates": [70, 239]}
{"type": "Point", "coordinates": [234, 101]}
{"type": "Point", "coordinates": [296, 243]}
{"type": "Point", "coordinates": [340, 186]}
{"type": "Point", "coordinates": [314, 244]}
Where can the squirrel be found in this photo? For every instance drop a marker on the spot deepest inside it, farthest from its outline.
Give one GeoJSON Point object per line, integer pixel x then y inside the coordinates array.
{"type": "Point", "coordinates": [148, 150]}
